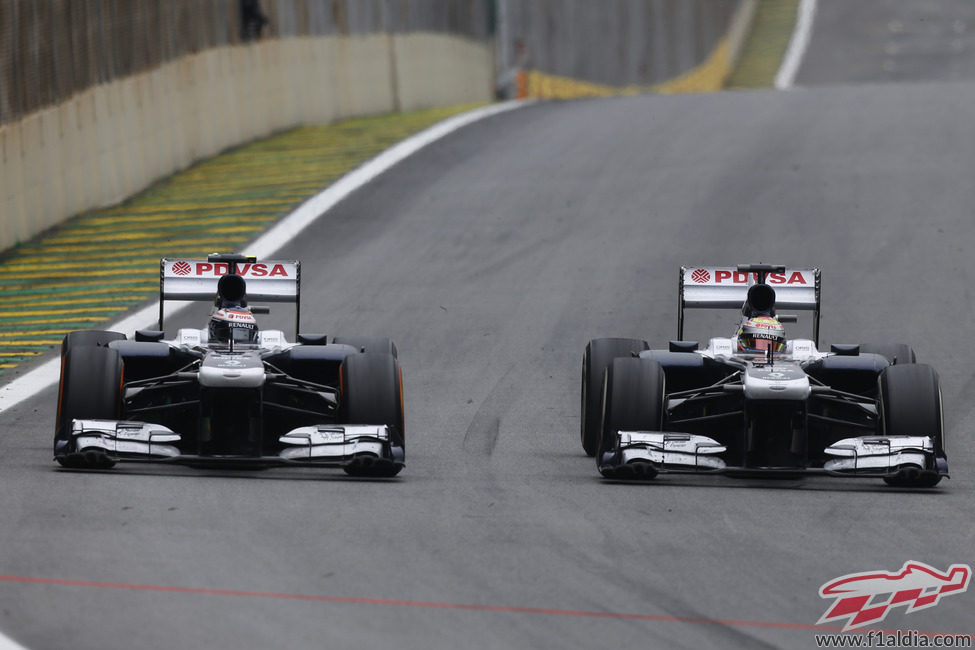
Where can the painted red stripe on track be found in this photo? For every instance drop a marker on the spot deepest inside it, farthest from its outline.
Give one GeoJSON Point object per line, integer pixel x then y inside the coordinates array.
{"type": "Point", "coordinates": [434, 605]}
{"type": "Point", "coordinates": [402, 603]}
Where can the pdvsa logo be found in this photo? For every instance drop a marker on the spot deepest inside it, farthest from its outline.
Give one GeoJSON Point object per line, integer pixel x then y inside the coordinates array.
{"type": "Point", "coordinates": [864, 598]}
{"type": "Point", "coordinates": [740, 277]}
{"type": "Point", "coordinates": [218, 269]}
{"type": "Point", "coordinates": [727, 276]}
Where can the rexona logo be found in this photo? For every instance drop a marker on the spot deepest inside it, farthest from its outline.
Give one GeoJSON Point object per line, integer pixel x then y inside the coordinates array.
{"type": "Point", "coordinates": [864, 598]}
{"type": "Point", "coordinates": [727, 276]}
{"type": "Point", "coordinates": [209, 269]}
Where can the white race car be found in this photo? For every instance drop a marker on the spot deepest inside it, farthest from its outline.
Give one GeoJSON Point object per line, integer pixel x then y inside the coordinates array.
{"type": "Point", "coordinates": [230, 394]}
{"type": "Point", "coordinates": [756, 403]}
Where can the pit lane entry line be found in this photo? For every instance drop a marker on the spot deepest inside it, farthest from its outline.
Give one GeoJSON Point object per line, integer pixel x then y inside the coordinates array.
{"type": "Point", "coordinates": [285, 230]}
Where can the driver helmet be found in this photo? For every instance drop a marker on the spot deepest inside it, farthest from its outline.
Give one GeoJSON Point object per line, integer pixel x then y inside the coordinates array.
{"type": "Point", "coordinates": [233, 324]}
{"type": "Point", "coordinates": [760, 334]}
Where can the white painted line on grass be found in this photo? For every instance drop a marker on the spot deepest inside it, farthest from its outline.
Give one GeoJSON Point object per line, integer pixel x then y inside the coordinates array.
{"type": "Point", "coordinates": [47, 374]}
{"type": "Point", "coordinates": [797, 45]}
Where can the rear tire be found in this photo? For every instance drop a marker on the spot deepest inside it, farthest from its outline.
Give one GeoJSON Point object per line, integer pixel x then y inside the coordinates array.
{"type": "Point", "coordinates": [598, 356]}
{"type": "Point", "coordinates": [633, 400]}
{"type": "Point", "coordinates": [90, 388]}
{"type": "Point", "coordinates": [894, 352]}
{"type": "Point", "coordinates": [910, 404]}
{"type": "Point", "coordinates": [372, 393]}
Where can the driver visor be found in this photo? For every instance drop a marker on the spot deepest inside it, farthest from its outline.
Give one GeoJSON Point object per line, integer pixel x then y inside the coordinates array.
{"type": "Point", "coordinates": [763, 345]}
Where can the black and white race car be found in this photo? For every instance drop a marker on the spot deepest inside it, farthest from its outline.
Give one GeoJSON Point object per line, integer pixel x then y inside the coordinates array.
{"type": "Point", "coordinates": [230, 394]}
{"type": "Point", "coordinates": [757, 403]}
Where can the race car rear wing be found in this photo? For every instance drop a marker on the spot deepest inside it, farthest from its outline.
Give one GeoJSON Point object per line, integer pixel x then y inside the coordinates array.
{"type": "Point", "coordinates": [726, 287]}
{"type": "Point", "coordinates": [267, 281]}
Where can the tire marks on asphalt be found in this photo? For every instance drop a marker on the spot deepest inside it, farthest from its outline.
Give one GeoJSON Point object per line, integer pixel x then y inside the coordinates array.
{"type": "Point", "coordinates": [481, 436]}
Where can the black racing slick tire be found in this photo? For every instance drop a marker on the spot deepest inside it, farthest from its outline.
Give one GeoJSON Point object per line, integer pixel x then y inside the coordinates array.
{"type": "Point", "coordinates": [82, 338]}
{"type": "Point", "coordinates": [90, 388]}
{"type": "Point", "coordinates": [633, 399]}
{"type": "Point", "coordinates": [598, 355]}
{"type": "Point", "coordinates": [369, 344]}
{"type": "Point", "coordinates": [910, 405]}
{"type": "Point", "coordinates": [372, 393]}
{"type": "Point", "coordinates": [895, 353]}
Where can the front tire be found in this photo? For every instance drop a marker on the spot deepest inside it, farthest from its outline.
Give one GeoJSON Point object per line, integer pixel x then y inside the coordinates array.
{"type": "Point", "coordinates": [82, 338]}
{"type": "Point", "coordinates": [372, 344]}
{"type": "Point", "coordinates": [598, 356]}
{"type": "Point", "coordinates": [910, 404]}
{"type": "Point", "coordinates": [372, 393]}
{"type": "Point", "coordinates": [90, 388]}
{"type": "Point", "coordinates": [633, 400]}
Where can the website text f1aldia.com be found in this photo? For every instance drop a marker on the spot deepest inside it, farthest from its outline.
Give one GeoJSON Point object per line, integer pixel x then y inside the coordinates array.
{"type": "Point", "coordinates": [895, 639]}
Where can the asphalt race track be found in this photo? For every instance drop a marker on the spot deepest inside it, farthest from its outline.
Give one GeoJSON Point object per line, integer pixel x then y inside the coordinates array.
{"type": "Point", "coordinates": [491, 257]}
{"type": "Point", "coordinates": [891, 40]}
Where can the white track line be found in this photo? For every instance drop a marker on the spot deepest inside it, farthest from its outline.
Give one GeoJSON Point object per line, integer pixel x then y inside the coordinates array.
{"type": "Point", "coordinates": [271, 241]}
{"type": "Point", "coordinates": [6, 643]}
{"type": "Point", "coordinates": [797, 45]}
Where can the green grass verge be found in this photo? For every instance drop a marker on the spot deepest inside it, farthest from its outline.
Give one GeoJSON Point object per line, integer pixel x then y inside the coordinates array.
{"type": "Point", "coordinates": [766, 44]}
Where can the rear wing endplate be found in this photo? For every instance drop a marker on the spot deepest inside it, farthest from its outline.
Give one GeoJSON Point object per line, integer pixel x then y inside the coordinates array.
{"type": "Point", "coordinates": [193, 279]}
{"type": "Point", "coordinates": [726, 287]}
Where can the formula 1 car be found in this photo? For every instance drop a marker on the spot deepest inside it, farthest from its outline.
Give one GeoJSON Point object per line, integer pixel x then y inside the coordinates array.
{"type": "Point", "coordinates": [230, 394]}
{"type": "Point", "coordinates": [859, 410]}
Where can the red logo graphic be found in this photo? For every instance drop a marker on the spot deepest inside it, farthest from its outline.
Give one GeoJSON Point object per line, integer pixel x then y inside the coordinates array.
{"type": "Point", "coordinates": [864, 598]}
{"type": "Point", "coordinates": [182, 268]}
{"type": "Point", "coordinates": [730, 276]}
{"type": "Point", "coordinates": [246, 270]}
{"type": "Point", "coordinates": [740, 277]}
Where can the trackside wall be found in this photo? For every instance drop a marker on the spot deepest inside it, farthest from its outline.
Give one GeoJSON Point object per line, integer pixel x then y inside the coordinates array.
{"type": "Point", "coordinates": [113, 139]}
{"type": "Point", "coordinates": [92, 111]}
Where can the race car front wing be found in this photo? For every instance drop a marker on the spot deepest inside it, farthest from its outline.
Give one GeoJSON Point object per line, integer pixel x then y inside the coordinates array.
{"type": "Point", "coordinates": [105, 442]}
{"type": "Point", "coordinates": [644, 454]}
